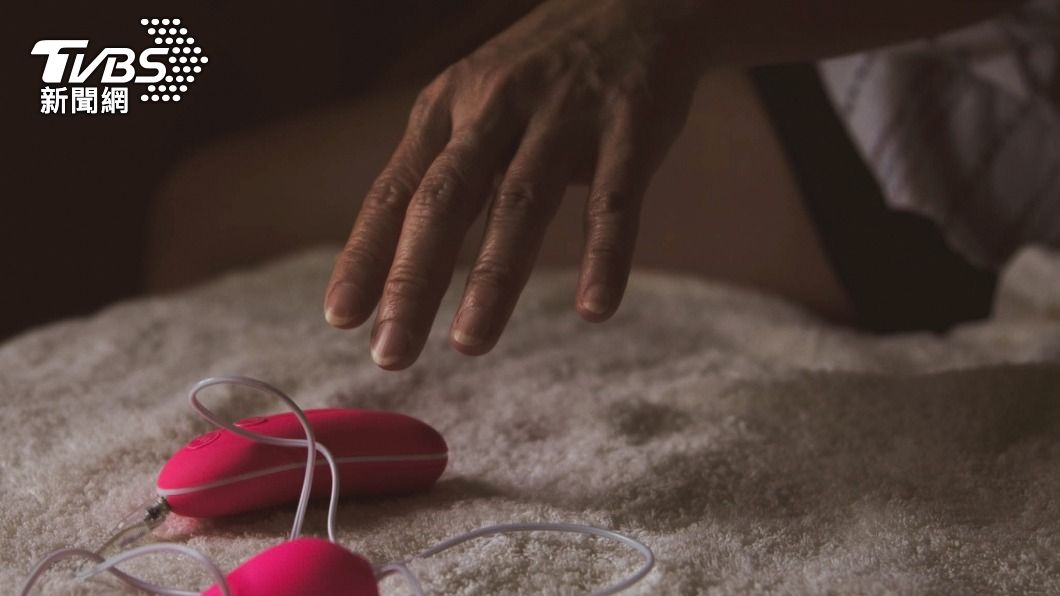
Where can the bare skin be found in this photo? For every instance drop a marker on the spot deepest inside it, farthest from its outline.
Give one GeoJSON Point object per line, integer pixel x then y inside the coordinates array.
{"type": "Point", "coordinates": [576, 90]}
{"type": "Point", "coordinates": [724, 205]}
{"type": "Point", "coordinates": [530, 118]}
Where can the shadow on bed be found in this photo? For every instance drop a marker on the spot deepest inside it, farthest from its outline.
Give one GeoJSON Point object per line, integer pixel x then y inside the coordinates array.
{"type": "Point", "coordinates": [906, 466]}
{"type": "Point", "coordinates": [822, 443]}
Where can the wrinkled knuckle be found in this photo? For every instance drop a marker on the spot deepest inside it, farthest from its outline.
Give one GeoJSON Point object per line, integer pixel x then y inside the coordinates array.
{"type": "Point", "coordinates": [441, 193]}
{"type": "Point", "coordinates": [424, 108]}
{"type": "Point", "coordinates": [493, 274]}
{"type": "Point", "coordinates": [442, 84]}
{"type": "Point", "coordinates": [430, 94]}
{"type": "Point", "coordinates": [472, 134]}
{"type": "Point", "coordinates": [389, 193]}
{"type": "Point", "coordinates": [496, 87]}
{"type": "Point", "coordinates": [607, 204]}
{"type": "Point", "coordinates": [481, 83]}
{"type": "Point", "coordinates": [425, 100]}
{"type": "Point", "coordinates": [431, 100]}
{"type": "Point", "coordinates": [479, 127]}
{"type": "Point", "coordinates": [606, 252]}
{"type": "Point", "coordinates": [461, 70]}
{"type": "Point", "coordinates": [359, 254]}
{"type": "Point", "coordinates": [406, 285]}
{"type": "Point", "coordinates": [516, 202]}
{"type": "Point", "coordinates": [627, 112]}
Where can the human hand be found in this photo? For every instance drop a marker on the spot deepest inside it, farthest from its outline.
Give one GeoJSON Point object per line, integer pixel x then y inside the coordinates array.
{"type": "Point", "coordinates": [576, 90]}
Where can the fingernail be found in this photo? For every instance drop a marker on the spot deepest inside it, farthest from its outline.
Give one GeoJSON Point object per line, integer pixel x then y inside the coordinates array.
{"type": "Point", "coordinates": [390, 344]}
{"type": "Point", "coordinates": [345, 305]}
{"type": "Point", "coordinates": [472, 326]}
{"type": "Point", "coordinates": [597, 299]}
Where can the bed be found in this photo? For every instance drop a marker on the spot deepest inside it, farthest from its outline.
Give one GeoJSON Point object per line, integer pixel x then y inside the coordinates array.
{"type": "Point", "coordinates": [753, 447]}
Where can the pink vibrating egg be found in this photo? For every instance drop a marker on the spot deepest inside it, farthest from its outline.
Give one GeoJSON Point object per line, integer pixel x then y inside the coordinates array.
{"type": "Point", "coordinates": [308, 566]}
{"type": "Point", "coordinates": [378, 453]}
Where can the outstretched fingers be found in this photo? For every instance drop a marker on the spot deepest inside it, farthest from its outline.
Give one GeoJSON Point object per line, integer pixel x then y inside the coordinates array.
{"type": "Point", "coordinates": [624, 166]}
{"type": "Point", "coordinates": [360, 269]}
{"type": "Point", "coordinates": [450, 196]}
{"type": "Point", "coordinates": [522, 208]}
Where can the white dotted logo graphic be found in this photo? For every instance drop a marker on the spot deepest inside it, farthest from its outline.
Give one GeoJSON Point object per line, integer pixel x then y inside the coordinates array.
{"type": "Point", "coordinates": [81, 78]}
{"type": "Point", "coordinates": [185, 59]}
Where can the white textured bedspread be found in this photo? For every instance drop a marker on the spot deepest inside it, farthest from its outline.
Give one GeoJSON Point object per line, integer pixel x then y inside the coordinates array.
{"type": "Point", "coordinates": [753, 447]}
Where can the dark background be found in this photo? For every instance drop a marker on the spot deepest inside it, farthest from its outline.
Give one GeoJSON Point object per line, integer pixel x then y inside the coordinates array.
{"type": "Point", "coordinates": [74, 224]}
{"type": "Point", "coordinates": [74, 219]}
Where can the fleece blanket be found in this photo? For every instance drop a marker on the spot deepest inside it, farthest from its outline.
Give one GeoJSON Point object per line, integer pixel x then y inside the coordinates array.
{"type": "Point", "coordinates": [753, 447]}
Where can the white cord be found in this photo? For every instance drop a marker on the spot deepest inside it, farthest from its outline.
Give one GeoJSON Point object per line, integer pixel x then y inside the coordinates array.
{"type": "Point", "coordinates": [309, 442]}
{"type": "Point", "coordinates": [402, 570]}
{"type": "Point", "coordinates": [307, 486]}
{"type": "Point", "coordinates": [401, 567]}
{"type": "Point", "coordinates": [180, 549]}
{"type": "Point", "coordinates": [109, 565]}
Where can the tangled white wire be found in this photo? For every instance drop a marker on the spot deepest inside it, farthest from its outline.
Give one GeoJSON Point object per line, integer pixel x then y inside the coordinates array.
{"type": "Point", "coordinates": [309, 442]}
{"type": "Point", "coordinates": [312, 448]}
{"type": "Point", "coordinates": [401, 567]}
{"type": "Point", "coordinates": [109, 564]}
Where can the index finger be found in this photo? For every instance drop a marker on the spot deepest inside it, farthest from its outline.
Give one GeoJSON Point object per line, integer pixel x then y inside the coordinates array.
{"type": "Point", "coordinates": [361, 268]}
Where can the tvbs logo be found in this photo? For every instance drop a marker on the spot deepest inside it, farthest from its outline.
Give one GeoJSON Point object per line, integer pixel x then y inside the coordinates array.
{"type": "Point", "coordinates": [167, 69]}
{"type": "Point", "coordinates": [118, 63]}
